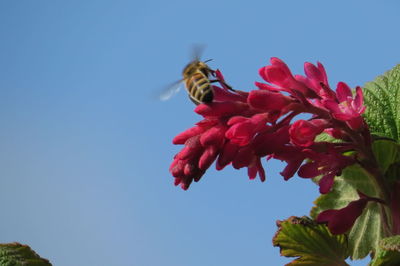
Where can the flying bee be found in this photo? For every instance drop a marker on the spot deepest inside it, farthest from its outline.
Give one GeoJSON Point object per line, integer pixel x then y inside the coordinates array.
{"type": "Point", "coordinates": [196, 76]}
{"type": "Point", "coordinates": [197, 81]}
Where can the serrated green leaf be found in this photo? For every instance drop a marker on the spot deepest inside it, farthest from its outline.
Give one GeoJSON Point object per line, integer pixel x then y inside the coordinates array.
{"type": "Point", "coordinates": [382, 98]}
{"type": "Point", "coordinates": [388, 253]}
{"type": "Point", "coordinates": [386, 153]}
{"type": "Point", "coordinates": [367, 230]}
{"type": "Point", "coordinates": [312, 243]}
{"type": "Point", "coordinates": [15, 254]}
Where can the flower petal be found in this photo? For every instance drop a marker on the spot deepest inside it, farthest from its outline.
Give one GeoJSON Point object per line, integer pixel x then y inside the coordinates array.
{"type": "Point", "coordinates": [326, 183]}
{"type": "Point", "coordinates": [218, 109]}
{"type": "Point", "coordinates": [309, 170]}
{"type": "Point", "coordinates": [227, 154]}
{"type": "Point", "coordinates": [341, 220]}
{"type": "Point", "coordinates": [208, 157]}
{"type": "Point", "coordinates": [184, 136]}
{"type": "Point", "coordinates": [343, 91]}
{"type": "Point", "coordinates": [268, 101]}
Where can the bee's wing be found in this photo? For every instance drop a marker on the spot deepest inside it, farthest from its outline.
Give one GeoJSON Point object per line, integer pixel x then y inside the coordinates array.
{"type": "Point", "coordinates": [196, 51]}
{"type": "Point", "coordinates": [171, 90]}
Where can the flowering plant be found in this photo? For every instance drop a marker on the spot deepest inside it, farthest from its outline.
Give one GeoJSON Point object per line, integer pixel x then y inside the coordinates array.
{"type": "Point", "coordinates": [348, 146]}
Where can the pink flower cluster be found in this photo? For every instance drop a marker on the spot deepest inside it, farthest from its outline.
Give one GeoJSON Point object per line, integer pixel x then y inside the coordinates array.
{"type": "Point", "coordinates": [240, 128]}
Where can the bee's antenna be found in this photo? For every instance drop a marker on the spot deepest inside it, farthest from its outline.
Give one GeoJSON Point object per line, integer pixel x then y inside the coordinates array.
{"type": "Point", "coordinates": [208, 60]}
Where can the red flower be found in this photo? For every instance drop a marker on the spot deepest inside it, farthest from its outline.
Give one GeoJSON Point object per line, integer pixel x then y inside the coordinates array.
{"type": "Point", "coordinates": [328, 164]}
{"type": "Point", "coordinates": [228, 153]}
{"type": "Point", "coordinates": [202, 145]}
{"type": "Point", "coordinates": [206, 142]}
{"type": "Point", "coordinates": [341, 220]}
{"type": "Point", "coordinates": [273, 103]}
{"type": "Point", "coordinates": [271, 141]}
{"type": "Point", "coordinates": [347, 108]}
{"type": "Point", "coordinates": [317, 80]}
{"type": "Point", "coordinates": [245, 157]}
{"type": "Point", "coordinates": [201, 149]}
{"type": "Point", "coordinates": [279, 74]}
{"type": "Point", "coordinates": [316, 75]}
{"type": "Point", "coordinates": [303, 133]}
{"type": "Point", "coordinates": [293, 156]}
{"type": "Point", "coordinates": [241, 128]}
{"type": "Point", "coordinates": [221, 109]}
{"type": "Point", "coordinates": [337, 133]}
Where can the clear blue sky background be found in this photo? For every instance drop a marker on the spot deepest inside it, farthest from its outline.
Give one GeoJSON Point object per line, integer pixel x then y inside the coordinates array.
{"type": "Point", "coordinates": [85, 148]}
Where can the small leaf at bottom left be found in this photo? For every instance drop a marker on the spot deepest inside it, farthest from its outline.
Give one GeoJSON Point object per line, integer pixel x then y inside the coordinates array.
{"type": "Point", "coordinates": [15, 254]}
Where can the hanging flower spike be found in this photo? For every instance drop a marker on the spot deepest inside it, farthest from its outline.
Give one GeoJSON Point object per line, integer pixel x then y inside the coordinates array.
{"type": "Point", "coordinates": [240, 128]}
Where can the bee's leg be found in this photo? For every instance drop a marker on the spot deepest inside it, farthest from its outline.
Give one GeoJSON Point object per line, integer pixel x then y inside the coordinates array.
{"type": "Point", "coordinates": [223, 82]}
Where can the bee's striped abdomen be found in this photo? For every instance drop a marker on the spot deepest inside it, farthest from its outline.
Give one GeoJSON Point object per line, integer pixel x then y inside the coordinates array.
{"type": "Point", "coordinates": [199, 88]}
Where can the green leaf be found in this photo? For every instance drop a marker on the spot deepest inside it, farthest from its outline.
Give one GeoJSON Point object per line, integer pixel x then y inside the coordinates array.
{"type": "Point", "coordinates": [326, 137]}
{"type": "Point", "coordinates": [382, 98]}
{"type": "Point", "coordinates": [367, 230]}
{"type": "Point", "coordinates": [388, 253]}
{"type": "Point", "coordinates": [387, 153]}
{"type": "Point", "coordinates": [15, 254]}
{"type": "Point", "coordinates": [393, 173]}
{"type": "Point", "coordinates": [312, 243]}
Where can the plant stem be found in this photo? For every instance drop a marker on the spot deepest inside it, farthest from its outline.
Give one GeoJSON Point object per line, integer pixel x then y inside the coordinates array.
{"type": "Point", "coordinates": [395, 208]}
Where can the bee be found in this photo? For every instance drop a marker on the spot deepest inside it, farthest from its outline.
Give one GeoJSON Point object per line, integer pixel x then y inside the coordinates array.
{"type": "Point", "coordinates": [196, 76]}
{"type": "Point", "coordinates": [197, 79]}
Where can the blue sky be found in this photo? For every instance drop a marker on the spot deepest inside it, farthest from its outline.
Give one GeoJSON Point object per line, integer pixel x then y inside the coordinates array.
{"type": "Point", "coordinates": [85, 148]}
